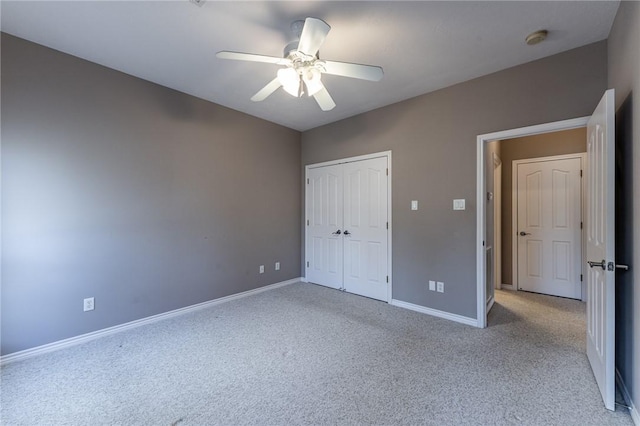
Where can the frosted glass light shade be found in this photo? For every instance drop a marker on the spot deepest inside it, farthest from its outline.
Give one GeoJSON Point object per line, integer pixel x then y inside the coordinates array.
{"type": "Point", "coordinates": [312, 80]}
{"type": "Point", "coordinates": [290, 80]}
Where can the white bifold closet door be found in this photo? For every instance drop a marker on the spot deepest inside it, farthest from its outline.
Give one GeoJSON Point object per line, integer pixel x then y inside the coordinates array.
{"type": "Point", "coordinates": [347, 227]}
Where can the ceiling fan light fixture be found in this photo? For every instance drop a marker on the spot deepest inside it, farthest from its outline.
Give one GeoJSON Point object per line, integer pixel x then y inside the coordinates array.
{"type": "Point", "coordinates": [303, 67]}
{"type": "Point", "coordinates": [313, 81]}
{"type": "Point", "coordinates": [290, 81]}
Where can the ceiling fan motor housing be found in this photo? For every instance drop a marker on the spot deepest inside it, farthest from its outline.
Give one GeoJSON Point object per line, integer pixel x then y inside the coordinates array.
{"type": "Point", "coordinates": [291, 49]}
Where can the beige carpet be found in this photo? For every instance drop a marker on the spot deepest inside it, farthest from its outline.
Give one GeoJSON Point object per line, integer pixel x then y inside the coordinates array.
{"type": "Point", "coordinates": [305, 354]}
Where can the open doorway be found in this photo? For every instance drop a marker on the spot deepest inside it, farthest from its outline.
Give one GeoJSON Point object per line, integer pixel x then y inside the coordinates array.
{"type": "Point", "coordinates": [557, 159]}
{"type": "Point", "coordinates": [486, 269]}
{"type": "Point", "coordinates": [548, 259]}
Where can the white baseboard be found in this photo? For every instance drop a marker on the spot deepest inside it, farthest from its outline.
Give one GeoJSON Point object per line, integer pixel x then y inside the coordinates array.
{"type": "Point", "coordinates": [72, 341]}
{"type": "Point", "coordinates": [436, 313]}
{"type": "Point", "coordinates": [635, 416]}
{"type": "Point", "coordinates": [509, 287]}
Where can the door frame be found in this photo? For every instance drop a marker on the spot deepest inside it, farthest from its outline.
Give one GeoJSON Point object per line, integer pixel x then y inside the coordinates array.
{"type": "Point", "coordinates": [387, 155]}
{"type": "Point", "coordinates": [514, 212]}
{"type": "Point", "coordinates": [497, 221]}
{"type": "Point", "coordinates": [481, 226]}
{"type": "Point", "coordinates": [494, 263]}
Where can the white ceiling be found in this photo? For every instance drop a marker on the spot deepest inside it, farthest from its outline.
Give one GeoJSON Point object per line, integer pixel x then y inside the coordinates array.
{"type": "Point", "coordinates": [422, 46]}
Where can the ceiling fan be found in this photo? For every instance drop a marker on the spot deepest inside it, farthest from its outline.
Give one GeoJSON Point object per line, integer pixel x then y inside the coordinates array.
{"type": "Point", "coordinates": [302, 66]}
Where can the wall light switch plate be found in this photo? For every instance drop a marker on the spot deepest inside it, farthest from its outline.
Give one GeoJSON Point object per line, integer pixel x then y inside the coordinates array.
{"type": "Point", "coordinates": [277, 266]}
{"type": "Point", "coordinates": [432, 285]}
{"type": "Point", "coordinates": [262, 269]}
{"type": "Point", "coordinates": [458, 204]}
{"type": "Point", "coordinates": [414, 204]}
{"type": "Point", "coordinates": [440, 287]}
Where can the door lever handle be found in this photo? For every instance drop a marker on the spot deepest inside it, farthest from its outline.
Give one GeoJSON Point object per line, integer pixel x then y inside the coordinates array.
{"type": "Point", "coordinates": [338, 232]}
{"type": "Point", "coordinates": [347, 233]}
{"type": "Point", "coordinates": [602, 264]}
{"type": "Point", "coordinates": [612, 266]}
{"type": "Point", "coordinates": [522, 233]}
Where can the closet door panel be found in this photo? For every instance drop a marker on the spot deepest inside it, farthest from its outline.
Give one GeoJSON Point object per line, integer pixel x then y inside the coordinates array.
{"type": "Point", "coordinates": [325, 207]}
{"type": "Point", "coordinates": [366, 228]}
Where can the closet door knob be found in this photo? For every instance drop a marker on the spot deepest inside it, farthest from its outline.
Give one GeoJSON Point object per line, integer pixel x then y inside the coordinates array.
{"type": "Point", "coordinates": [347, 233]}
{"type": "Point", "coordinates": [337, 232]}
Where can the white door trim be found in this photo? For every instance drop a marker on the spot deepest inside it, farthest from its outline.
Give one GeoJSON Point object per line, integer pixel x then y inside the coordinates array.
{"type": "Point", "coordinates": [497, 221]}
{"type": "Point", "coordinates": [386, 154]}
{"type": "Point", "coordinates": [514, 211]}
{"type": "Point", "coordinates": [481, 226]}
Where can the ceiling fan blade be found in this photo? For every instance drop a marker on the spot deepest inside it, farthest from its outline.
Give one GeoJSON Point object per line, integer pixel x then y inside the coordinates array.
{"type": "Point", "coordinates": [267, 90]}
{"type": "Point", "coordinates": [346, 69]}
{"type": "Point", "coordinates": [238, 56]}
{"type": "Point", "coordinates": [313, 34]}
{"type": "Point", "coordinates": [324, 99]}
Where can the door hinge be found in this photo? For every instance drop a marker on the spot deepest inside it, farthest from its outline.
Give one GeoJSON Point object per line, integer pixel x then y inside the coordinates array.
{"type": "Point", "coordinates": [580, 225]}
{"type": "Point", "coordinates": [580, 173]}
{"type": "Point", "coordinates": [387, 225]}
{"type": "Point", "coordinates": [580, 277]}
{"type": "Point", "coordinates": [387, 171]}
{"type": "Point", "coordinates": [307, 222]}
{"type": "Point", "coordinates": [387, 278]}
{"type": "Point", "coordinates": [307, 264]}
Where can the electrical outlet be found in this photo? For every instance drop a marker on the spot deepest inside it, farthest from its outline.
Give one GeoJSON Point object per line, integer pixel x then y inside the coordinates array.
{"type": "Point", "coordinates": [277, 266]}
{"type": "Point", "coordinates": [440, 287]}
{"type": "Point", "coordinates": [89, 304]}
{"type": "Point", "coordinates": [262, 269]}
{"type": "Point", "coordinates": [432, 285]}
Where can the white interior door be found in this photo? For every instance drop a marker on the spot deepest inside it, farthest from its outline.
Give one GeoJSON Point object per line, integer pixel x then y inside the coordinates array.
{"type": "Point", "coordinates": [600, 247]}
{"type": "Point", "coordinates": [324, 226]}
{"type": "Point", "coordinates": [548, 234]}
{"type": "Point", "coordinates": [347, 240]}
{"type": "Point", "coordinates": [365, 228]}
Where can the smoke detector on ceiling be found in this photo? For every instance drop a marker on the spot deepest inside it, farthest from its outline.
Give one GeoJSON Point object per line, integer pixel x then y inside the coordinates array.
{"type": "Point", "coordinates": [197, 2]}
{"type": "Point", "coordinates": [536, 37]}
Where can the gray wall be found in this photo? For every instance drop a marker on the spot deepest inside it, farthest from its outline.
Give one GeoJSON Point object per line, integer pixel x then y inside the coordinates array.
{"type": "Point", "coordinates": [433, 139]}
{"type": "Point", "coordinates": [545, 145]}
{"type": "Point", "coordinates": [624, 76]}
{"type": "Point", "coordinates": [140, 196]}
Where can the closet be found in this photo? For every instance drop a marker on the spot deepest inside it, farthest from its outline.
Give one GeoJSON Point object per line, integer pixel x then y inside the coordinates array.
{"type": "Point", "coordinates": [347, 225]}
